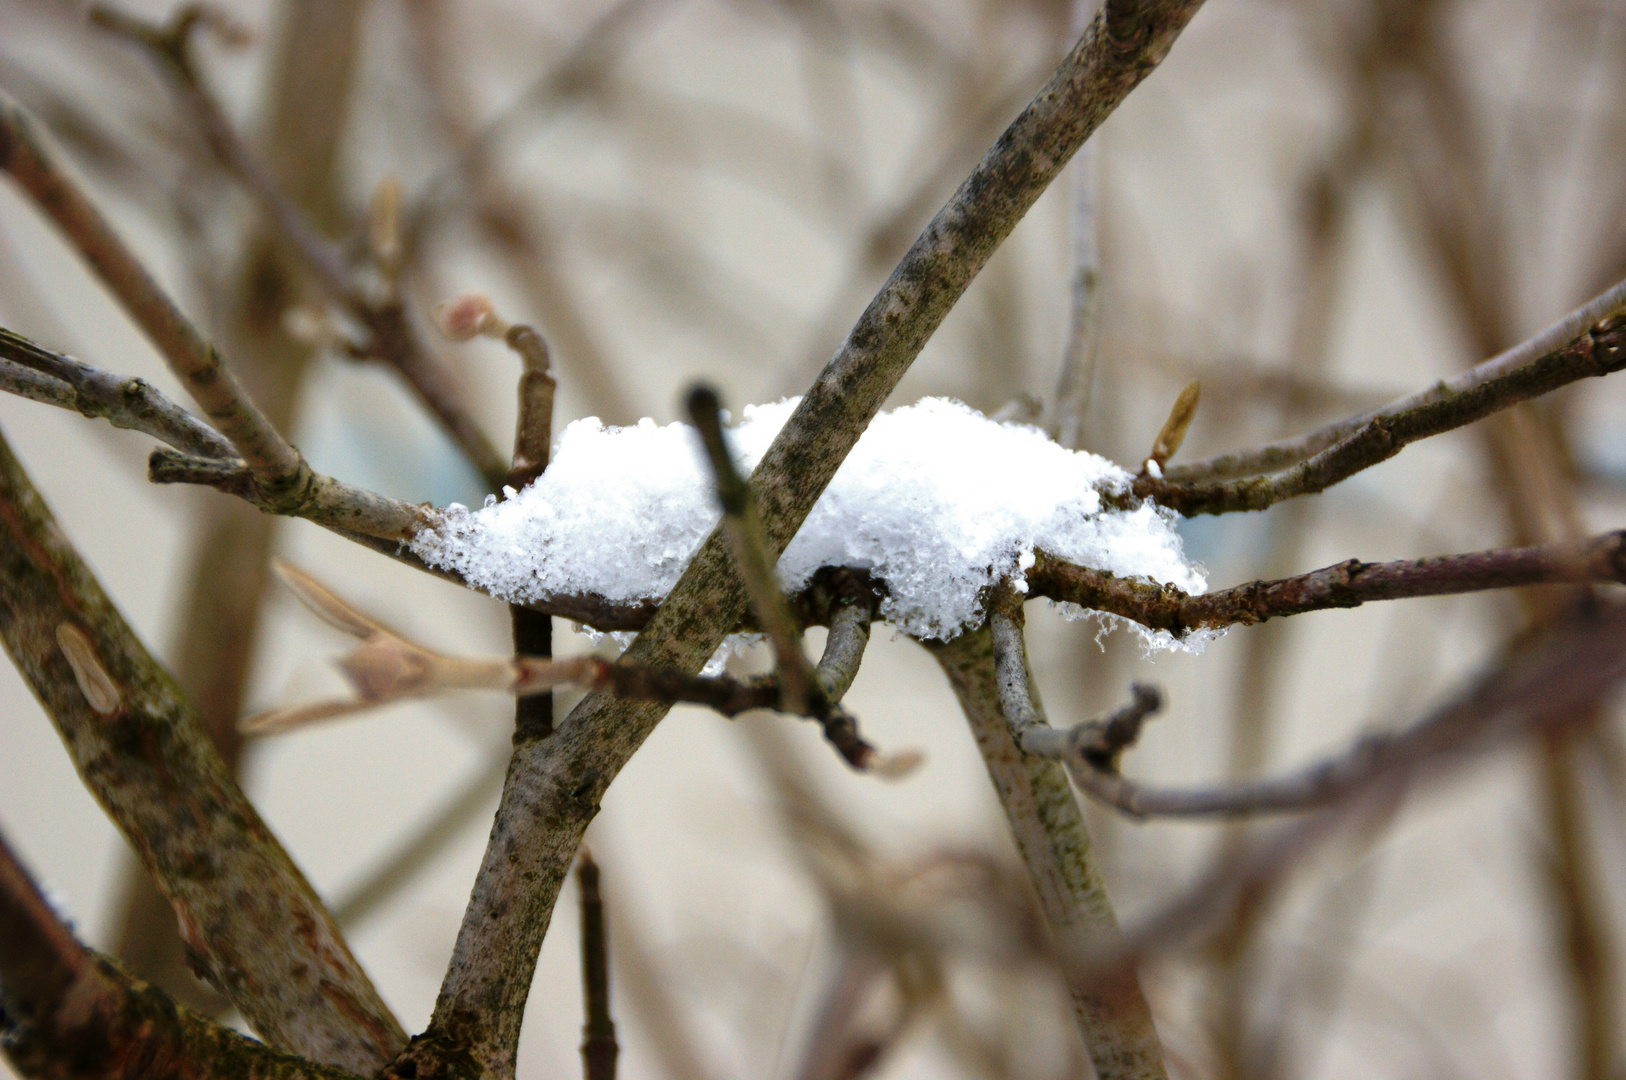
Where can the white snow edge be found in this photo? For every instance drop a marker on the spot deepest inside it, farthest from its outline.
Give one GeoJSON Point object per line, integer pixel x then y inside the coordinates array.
{"type": "Point", "coordinates": [936, 499]}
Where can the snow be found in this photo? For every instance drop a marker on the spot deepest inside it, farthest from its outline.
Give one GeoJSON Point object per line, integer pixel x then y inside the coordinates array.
{"type": "Point", "coordinates": [937, 500]}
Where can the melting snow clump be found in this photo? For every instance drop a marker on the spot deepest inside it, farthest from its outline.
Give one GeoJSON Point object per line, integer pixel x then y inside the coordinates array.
{"type": "Point", "coordinates": [936, 499]}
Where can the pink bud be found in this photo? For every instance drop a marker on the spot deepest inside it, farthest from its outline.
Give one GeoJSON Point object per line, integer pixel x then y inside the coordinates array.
{"type": "Point", "coordinates": [466, 316]}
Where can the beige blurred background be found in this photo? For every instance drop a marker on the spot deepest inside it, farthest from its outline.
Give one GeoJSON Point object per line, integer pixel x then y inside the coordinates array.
{"type": "Point", "coordinates": [1313, 206]}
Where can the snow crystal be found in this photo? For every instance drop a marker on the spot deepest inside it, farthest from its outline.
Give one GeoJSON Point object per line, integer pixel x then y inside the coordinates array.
{"type": "Point", "coordinates": [936, 500]}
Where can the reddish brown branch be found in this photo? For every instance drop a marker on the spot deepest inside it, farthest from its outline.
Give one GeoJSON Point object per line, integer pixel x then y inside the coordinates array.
{"type": "Point", "coordinates": [67, 1013]}
{"type": "Point", "coordinates": [1344, 585]}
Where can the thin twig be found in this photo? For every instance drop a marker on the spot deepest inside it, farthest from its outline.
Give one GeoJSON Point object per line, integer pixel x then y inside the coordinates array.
{"type": "Point", "coordinates": [1590, 341]}
{"type": "Point", "coordinates": [1543, 686]}
{"type": "Point", "coordinates": [1077, 379]}
{"type": "Point", "coordinates": [123, 402]}
{"type": "Point", "coordinates": [802, 690]}
{"type": "Point", "coordinates": [208, 459]}
{"type": "Point", "coordinates": [599, 1047]}
{"type": "Point", "coordinates": [250, 919]}
{"type": "Point", "coordinates": [749, 546]}
{"type": "Point", "coordinates": [532, 631]}
{"type": "Point", "coordinates": [388, 668]}
{"type": "Point", "coordinates": [65, 1003]}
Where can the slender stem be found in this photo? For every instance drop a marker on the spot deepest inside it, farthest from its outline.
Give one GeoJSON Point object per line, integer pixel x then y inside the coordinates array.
{"type": "Point", "coordinates": [988, 669]}
{"type": "Point", "coordinates": [250, 919]}
{"type": "Point", "coordinates": [276, 466]}
{"type": "Point", "coordinates": [1077, 379]}
{"type": "Point", "coordinates": [599, 1047]}
{"type": "Point", "coordinates": [71, 1013]}
{"type": "Point", "coordinates": [749, 546]}
{"type": "Point", "coordinates": [533, 441]}
{"type": "Point", "coordinates": [800, 689]}
{"type": "Point", "coordinates": [208, 459]}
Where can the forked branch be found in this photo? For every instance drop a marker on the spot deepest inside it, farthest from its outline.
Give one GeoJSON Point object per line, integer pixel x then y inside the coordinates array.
{"type": "Point", "coordinates": [277, 468]}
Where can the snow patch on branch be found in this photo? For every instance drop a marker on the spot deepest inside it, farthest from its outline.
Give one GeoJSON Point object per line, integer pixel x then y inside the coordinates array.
{"type": "Point", "coordinates": [937, 500]}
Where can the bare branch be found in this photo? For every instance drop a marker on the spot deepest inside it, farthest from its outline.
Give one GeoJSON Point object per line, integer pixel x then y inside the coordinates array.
{"type": "Point", "coordinates": [278, 468]}
{"type": "Point", "coordinates": [1591, 341]}
{"type": "Point", "coordinates": [388, 668]}
{"type": "Point", "coordinates": [1077, 380]}
{"type": "Point", "coordinates": [1543, 686]}
{"type": "Point", "coordinates": [801, 689]}
{"type": "Point", "coordinates": [988, 670]}
{"type": "Point", "coordinates": [755, 565]}
{"type": "Point", "coordinates": [248, 916]}
{"type": "Point", "coordinates": [67, 1012]}
{"type": "Point", "coordinates": [1343, 585]}
{"type": "Point", "coordinates": [209, 459]}
{"type": "Point", "coordinates": [533, 430]}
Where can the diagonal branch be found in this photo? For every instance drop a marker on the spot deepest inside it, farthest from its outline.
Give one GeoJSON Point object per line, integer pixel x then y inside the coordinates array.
{"type": "Point", "coordinates": [1590, 341]}
{"type": "Point", "coordinates": [123, 402]}
{"type": "Point", "coordinates": [1541, 687]}
{"type": "Point", "coordinates": [277, 468]}
{"type": "Point", "coordinates": [207, 458]}
{"type": "Point", "coordinates": [393, 336]}
{"type": "Point", "coordinates": [67, 1012]}
{"type": "Point", "coordinates": [253, 924]}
